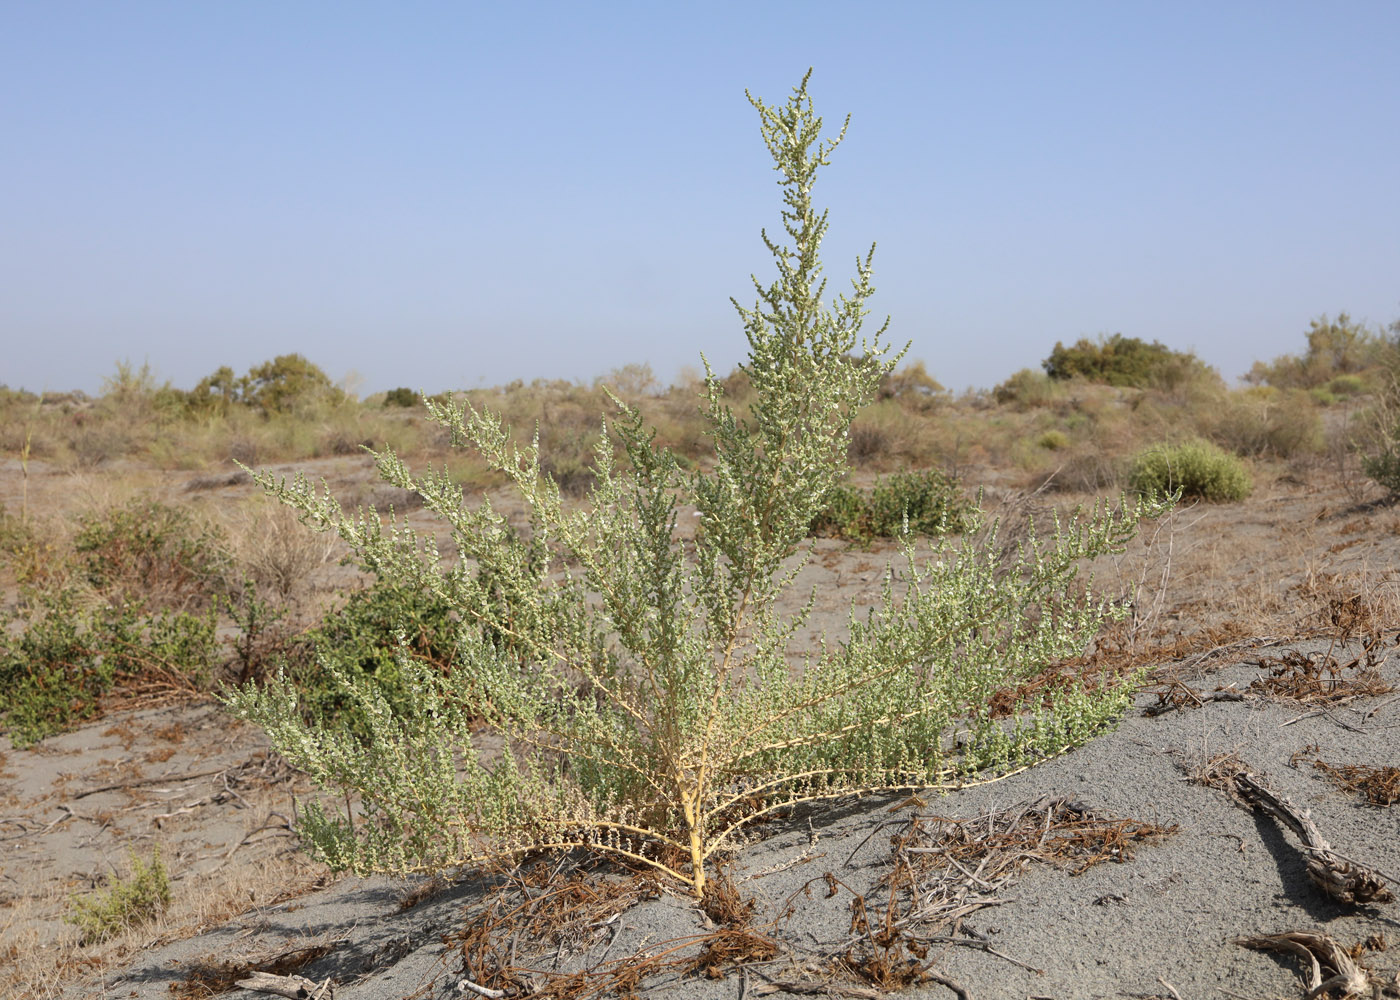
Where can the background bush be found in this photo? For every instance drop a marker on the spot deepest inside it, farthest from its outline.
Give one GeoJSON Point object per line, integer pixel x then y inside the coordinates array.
{"type": "Point", "coordinates": [1196, 468]}
{"type": "Point", "coordinates": [930, 499]}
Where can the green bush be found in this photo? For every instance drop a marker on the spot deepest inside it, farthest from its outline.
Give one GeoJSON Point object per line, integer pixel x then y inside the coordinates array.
{"type": "Point", "coordinates": [402, 396]}
{"type": "Point", "coordinates": [636, 685]}
{"type": "Point", "coordinates": [1053, 440]}
{"type": "Point", "coordinates": [128, 902]}
{"type": "Point", "coordinates": [362, 638]}
{"type": "Point", "coordinates": [1196, 468]}
{"type": "Point", "coordinates": [929, 500]}
{"type": "Point", "coordinates": [1123, 361]}
{"type": "Point", "coordinates": [64, 657]}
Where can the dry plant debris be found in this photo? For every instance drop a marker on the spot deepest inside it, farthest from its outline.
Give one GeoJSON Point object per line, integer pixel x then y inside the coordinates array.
{"type": "Point", "coordinates": [1313, 679]}
{"type": "Point", "coordinates": [206, 979]}
{"type": "Point", "coordinates": [945, 870]}
{"type": "Point", "coordinates": [1323, 954]}
{"type": "Point", "coordinates": [1377, 786]}
{"type": "Point", "coordinates": [1341, 878]}
{"type": "Point", "coordinates": [1321, 679]}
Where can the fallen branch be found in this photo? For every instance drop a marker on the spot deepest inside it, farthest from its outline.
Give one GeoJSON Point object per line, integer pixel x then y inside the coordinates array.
{"type": "Point", "coordinates": [1343, 880]}
{"type": "Point", "coordinates": [138, 782]}
{"type": "Point", "coordinates": [1322, 952]}
{"type": "Point", "coordinates": [291, 987]}
{"type": "Point", "coordinates": [1340, 877]}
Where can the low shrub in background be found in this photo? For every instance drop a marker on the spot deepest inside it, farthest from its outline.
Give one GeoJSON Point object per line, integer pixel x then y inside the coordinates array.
{"type": "Point", "coordinates": [1335, 347]}
{"type": "Point", "coordinates": [927, 502]}
{"type": "Point", "coordinates": [1123, 361]}
{"type": "Point", "coordinates": [64, 657]}
{"type": "Point", "coordinates": [1264, 422]}
{"type": "Point", "coordinates": [1195, 468]}
{"type": "Point", "coordinates": [152, 555]}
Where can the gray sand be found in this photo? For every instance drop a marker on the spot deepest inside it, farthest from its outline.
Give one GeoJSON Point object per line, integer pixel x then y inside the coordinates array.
{"type": "Point", "coordinates": [1169, 915]}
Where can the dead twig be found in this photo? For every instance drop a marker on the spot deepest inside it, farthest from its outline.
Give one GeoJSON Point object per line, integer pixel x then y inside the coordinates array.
{"type": "Point", "coordinates": [291, 987]}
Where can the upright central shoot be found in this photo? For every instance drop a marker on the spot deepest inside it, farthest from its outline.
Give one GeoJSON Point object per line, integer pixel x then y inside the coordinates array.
{"type": "Point", "coordinates": [639, 692]}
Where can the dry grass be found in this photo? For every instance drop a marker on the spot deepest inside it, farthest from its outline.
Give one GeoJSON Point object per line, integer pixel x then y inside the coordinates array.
{"type": "Point", "coordinates": [275, 550]}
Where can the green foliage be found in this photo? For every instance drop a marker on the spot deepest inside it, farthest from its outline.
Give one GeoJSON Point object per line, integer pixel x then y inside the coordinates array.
{"type": "Point", "coordinates": [1123, 361]}
{"type": "Point", "coordinates": [1195, 468]}
{"type": "Point", "coordinates": [152, 554]}
{"type": "Point", "coordinates": [402, 396]}
{"type": "Point", "coordinates": [1335, 347]}
{"type": "Point", "coordinates": [926, 503]}
{"type": "Point", "coordinates": [637, 687]}
{"type": "Point", "coordinates": [128, 902]}
{"type": "Point", "coordinates": [367, 638]}
{"type": "Point", "coordinates": [1053, 440]}
{"type": "Point", "coordinates": [55, 669]}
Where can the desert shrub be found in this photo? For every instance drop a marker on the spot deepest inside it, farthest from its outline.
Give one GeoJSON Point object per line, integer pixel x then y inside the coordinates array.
{"type": "Point", "coordinates": [367, 638]}
{"type": "Point", "coordinates": [152, 554]}
{"type": "Point", "coordinates": [128, 902]}
{"type": "Point", "coordinates": [65, 657]}
{"type": "Point", "coordinates": [927, 502]}
{"type": "Point", "coordinates": [912, 384]}
{"type": "Point", "coordinates": [1083, 470]}
{"type": "Point", "coordinates": [1122, 361]}
{"type": "Point", "coordinates": [1027, 388]}
{"type": "Point", "coordinates": [638, 682]}
{"type": "Point", "coordinates": [1053, 440]}
{"type": "Point", "coordinates": [402, 396]}
{"type": "Point", "coordinates": [1267, 422]}
{"type": "Point", "coordinates": [1335, 347]}
{"type": "Point", "coordinates": [1346, 386]}
{"type": "Point", "coordinates": [1195, 468]}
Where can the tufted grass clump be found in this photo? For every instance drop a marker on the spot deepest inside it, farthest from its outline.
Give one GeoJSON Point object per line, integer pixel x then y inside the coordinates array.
{"type": "Point", "coordinates": [628, 688]}
{"type": "Point", "coordinates": [1194, 468]}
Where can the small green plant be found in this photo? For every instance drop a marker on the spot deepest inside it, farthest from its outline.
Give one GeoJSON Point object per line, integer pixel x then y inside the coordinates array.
{"type": "Point", "coordinates": [1053, 440]}
{"type": "Point", "coordinates": [1194, 468]}
{"type": "Point", "coordinates": [128, 902]}
{"type": "Point", "coordinates": [636, 687]}
{"type": "Point", "coordinates": [920, 503]}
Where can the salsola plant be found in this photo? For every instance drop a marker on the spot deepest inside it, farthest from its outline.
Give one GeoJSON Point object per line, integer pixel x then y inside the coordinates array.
{"type": "Point", "coordinates": [628, 690]}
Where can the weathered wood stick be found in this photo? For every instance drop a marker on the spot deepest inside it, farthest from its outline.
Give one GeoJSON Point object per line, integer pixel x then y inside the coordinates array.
{"type": "Point", "coordinates": [291, 987]}
{"type": "Point", "coordinates": [1343, 880]}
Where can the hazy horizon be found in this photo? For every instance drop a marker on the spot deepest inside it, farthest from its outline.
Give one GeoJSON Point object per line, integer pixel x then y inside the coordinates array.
{"type": "Point", "coordinates": [454, 195]}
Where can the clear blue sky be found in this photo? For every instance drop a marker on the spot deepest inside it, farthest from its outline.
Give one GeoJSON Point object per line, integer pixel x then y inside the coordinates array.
{"type": "Point", "coordinates": [451, 194]}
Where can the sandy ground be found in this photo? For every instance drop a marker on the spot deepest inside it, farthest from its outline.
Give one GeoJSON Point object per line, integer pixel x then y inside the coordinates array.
{"type": "Point", "coordinates": [1155, 919]}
